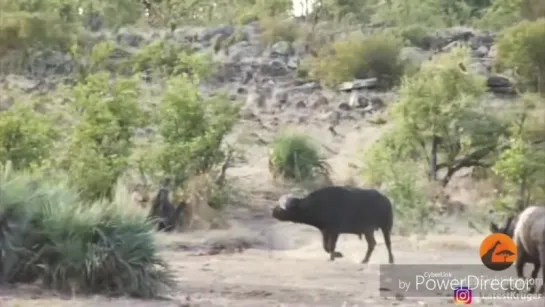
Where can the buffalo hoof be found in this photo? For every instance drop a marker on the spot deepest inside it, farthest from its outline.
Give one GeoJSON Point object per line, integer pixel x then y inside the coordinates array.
{"type": "Point", "coordinates": [335, 255]}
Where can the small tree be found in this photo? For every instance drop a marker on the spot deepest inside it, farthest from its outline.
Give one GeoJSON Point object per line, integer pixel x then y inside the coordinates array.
{"type": "Point", "coordinates": [522, 47]}
{"type": "Point", "coordinates": [101, 140]}
{"type": "Point", "coordinates": [192, 128]}
{"type": "Point", "coordinates": [438, 109]}
{"type": "Point", "coordinates": [521, 166]}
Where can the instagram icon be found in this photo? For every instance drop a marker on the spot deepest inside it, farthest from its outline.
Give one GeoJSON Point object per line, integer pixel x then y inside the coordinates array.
{"type": "Point", "coordinates": [462, 296]}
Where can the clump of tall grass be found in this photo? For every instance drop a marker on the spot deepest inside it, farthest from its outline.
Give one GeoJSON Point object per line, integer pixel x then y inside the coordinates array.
{"type": "Point", "coordinates": [295, 157]}
{"type": "Point", "coordinates": [48, 234]}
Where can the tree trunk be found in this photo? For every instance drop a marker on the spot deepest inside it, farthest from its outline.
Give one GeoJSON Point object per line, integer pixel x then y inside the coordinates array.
{"type": "Point", "coordinates": [433, 158]}
{"type": "Point", "coordinates": [523, 199]}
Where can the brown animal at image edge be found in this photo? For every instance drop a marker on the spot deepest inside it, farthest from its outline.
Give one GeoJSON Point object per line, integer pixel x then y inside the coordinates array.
{"type": "Point", "coordinates": [336, 210]}
{"type": "Point", "coordinates": [528, 231]}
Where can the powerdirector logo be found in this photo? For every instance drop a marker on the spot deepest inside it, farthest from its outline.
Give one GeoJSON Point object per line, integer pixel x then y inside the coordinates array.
{"type": "Point", "coordinates": [441, 280]}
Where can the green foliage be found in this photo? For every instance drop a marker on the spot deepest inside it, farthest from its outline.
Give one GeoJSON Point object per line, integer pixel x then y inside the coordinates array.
{"type": "Point", "coordinates": [192, 128]}
{"type": "Point", "coordinates": [389, 163]}
{"type": "Point", "coordinates": [432, 13]}
{"type": "Point", "coordinates": [505, 13]}
{"type": "Point", "coordinates": [48, 233]}
{"type": "Point", "coordinates": [417, 35]}
{"type": "Point", "coordinates": [22, 31]}
{"type": "Point", "coordinates": [521, 166]}
{"type": "Point", "coordinates": [438, 95]}
{"type": "Point", "coordinates": [360, 56]}
{"type": "Point", "coordinates": [440, 102]}
{"type": "Point", "coordinates": [93, 60]}
{"type": "Point", "coordinates": [100, 142]}
{"type": "Point", "coordinates": [167, 58]}
{"type": "Point", "coordinates": [522, 47]}
{"type": "Point", "coordinates": [26, 136]}
{"type": "Point", "coordinates": [295, 157]}
{"type": "Point", "coordinates": [275, 30]}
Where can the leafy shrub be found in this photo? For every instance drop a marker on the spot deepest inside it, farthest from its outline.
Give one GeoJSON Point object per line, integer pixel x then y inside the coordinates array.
{"type": "Point", "coordinates": [296, 157]}
{"type": "Point", "coordinates": [192, 129]}
{"type": "Point", "coordinates": [359, 56]}
{"type": "Point", "coordinates": [504, 13]}
{"type": "Point", "coordinates": [417, 35]}
{"type": "Point", "coordinates": [21, 31]}
{"type": "Point", "coordinates": [167, 58]}
{"type": "Point", "coordinates": [26, 136]}
{"type": "Point", "coordinates": [48, 233]}
{"type": "Point", "coordinates": [522, 47]}
{"type": "Point", "coordinates": [276, 29]}
{"type": "Point", "coordinates": [390, 163]}
{"type": "Point", "coordinates": [431, 13]}
{"type": "Point", "coordinates": [100, 142]}
{"type": "Point", "coordinates": [521, 165]}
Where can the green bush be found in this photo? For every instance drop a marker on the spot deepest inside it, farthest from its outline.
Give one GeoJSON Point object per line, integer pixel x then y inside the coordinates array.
{"type": "Point", "coordinates": [505, 13]}
{"type": "Point", "coordinates": [26, 136]}
{"type": "Point", "coordinates": [276, 29]}
{"type": "Point", "coordinates": [192, 128]}
{"type": "Point", "coordinates": [22, 31]}
{"type": "Point", "coordinates": [49, 234]}
{"type": "Point", "coordinates": [100, 142]}
{"type": "Point", "coordinates": [295, 157]}
{"type": "Point", "coordinates": [169, 59]}
{"type": "Point", "coordinates": [522, 47]}
{"type": "Point", "coordinates": [360, 56]}
{"type": "Point", "coordinates": [417, 35]}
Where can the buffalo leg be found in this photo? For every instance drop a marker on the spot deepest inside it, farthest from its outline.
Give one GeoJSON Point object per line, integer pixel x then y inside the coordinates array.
{"type": "Point", "coordinates": [326, 237]}
{"type": "Point", "coordinates": [537, 266]}
{"type": "Point", "coordinates": [388, 243]}
{"type": "Point", "coordinates": [331, 244]}
{"type": "Point", "coordinates": [371, 243]}
{"type": "Point", "coordinates": [542, 261]}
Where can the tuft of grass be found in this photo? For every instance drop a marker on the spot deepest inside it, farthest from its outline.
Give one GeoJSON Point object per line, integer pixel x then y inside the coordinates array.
{"type": "Point", "coordinates": [295, 157]}
{"type": "Point", "coordinates": [49, 234]}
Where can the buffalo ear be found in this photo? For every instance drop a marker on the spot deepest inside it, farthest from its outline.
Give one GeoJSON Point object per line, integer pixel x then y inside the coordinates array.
{"type": "Point", "coordinates": [494, 228]}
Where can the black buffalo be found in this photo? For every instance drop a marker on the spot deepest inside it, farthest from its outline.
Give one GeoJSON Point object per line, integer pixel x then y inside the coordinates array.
{"type": "Point", "coordinates": [336, 210]}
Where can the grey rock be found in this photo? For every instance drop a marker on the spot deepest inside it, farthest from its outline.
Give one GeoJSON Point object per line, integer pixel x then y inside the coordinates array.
{"type": "Point", "coordinates": [357, 101]}
{"type": "Point", "coordinates": [51, 63]}
{"type": "Point", "coordinates": [256, 99]}
{"type": "Point", "coordinates": [414, 55]}
{"type": "Point", "coordinates": [498, 81]}
{"type": "Point", "coordinates": [274, 68]}
{"type": "Point", "coordinates": [128, 38]}
{"type": "Point", "coordinates": [222, 31]}
{"type": "Point", "coordinates": [281, 49]}
{"type": "Point", "coordinates": [300, 104]}
{"type": "Point", "coordinates": [481, 52]}
{"type": "Point", "coordinates": [293, 62]}
{"type": "Point", "coordinates": [369, 83]}
{"type": "Point", "coordinates": [317, 100]}
{"type": "Point", "coordinates": [344, 106]}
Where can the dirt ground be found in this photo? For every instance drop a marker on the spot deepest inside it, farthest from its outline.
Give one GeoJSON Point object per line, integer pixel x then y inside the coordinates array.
{"type": "Point", "coordinates": [279, 264]}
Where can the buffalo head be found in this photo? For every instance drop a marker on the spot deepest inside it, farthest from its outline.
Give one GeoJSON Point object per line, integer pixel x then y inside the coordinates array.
{"type": "Point", "coordinates": [287, 209]}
